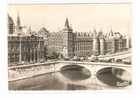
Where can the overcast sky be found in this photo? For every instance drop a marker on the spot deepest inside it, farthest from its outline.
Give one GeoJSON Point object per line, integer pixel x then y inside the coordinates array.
{"type": "Point", "coordinates": [82, 17]}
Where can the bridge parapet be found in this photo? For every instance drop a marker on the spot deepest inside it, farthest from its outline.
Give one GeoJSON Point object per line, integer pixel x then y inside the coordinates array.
{"type": "Point", "coordinates": [92, 66]}
{"type": "Point", "coordinates": [32, 65]}
{"type": "Point", "coordinates": [94, 63]}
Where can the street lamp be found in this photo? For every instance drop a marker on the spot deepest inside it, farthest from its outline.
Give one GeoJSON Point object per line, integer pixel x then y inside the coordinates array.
{"type": "Point", "coordinates": [20, 56]}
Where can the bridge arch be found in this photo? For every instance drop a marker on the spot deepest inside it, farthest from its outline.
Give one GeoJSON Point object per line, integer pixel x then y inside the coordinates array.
{"type": "Point", "coordinates": [114, 76]}
{"type": "Point", "coordinates": [93, 67]}
{"type": "Point", "coordinates": [75, 72]}
{"type": "Point", "coordinates": [61, 66]}
{"type": "Point", "coordinates": [113, 65]}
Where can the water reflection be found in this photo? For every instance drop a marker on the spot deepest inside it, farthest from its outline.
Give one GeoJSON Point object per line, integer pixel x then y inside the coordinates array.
{"type": "Point", "coordinates": [42, 82]}
{"type": "Point", "coordinates": [67, 79]}
{"type": "Point", "coordinates": [75, 72]}
{"type": "Point", "coordinates": [75, 87]}
{"type": "Point", "coordinates": [54, 81]}
{"type": "Point", "coordinates": [106, 76]}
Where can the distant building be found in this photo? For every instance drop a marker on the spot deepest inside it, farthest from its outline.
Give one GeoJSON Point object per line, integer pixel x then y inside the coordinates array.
{"type": "Point", "coordinates": [24, 48]}
{"type": "Point", "coordinates": [62, 41]}
{"type": "Point", "coordinates": [83, 44]}
{"type": "Point", "coordinates": [43, 32]}
{"type": "Point", "coordinates": [32, 47]}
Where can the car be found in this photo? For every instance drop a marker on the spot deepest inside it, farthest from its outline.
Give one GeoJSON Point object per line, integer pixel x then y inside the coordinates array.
{"type": "Point", "coordinates": [119, 60]}
{"type": "Point", "coordinates": [66, 59]}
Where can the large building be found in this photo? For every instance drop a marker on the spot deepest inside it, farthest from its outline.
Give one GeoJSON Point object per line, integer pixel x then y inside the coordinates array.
{"type": "Point", "coordinates": [32, 47]}
{"type": "Point", "coordinates": [63, 41]}
{"type": "Point", "coordinates": [23, 48]}
{"type": "Point", "coordinates": [83, 44]}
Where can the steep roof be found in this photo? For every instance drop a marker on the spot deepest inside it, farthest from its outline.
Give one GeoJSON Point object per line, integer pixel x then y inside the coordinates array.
{"type": "Point", "coordinates": [10, 20]}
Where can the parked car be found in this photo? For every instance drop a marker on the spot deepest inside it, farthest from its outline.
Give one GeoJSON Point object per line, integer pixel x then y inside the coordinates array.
{"type": "Point", "coordinates": [93, 58]}
{"type": "Point", "coordinates": [75, 58]}
{"type": "Point", "coordinates": [119, 60]}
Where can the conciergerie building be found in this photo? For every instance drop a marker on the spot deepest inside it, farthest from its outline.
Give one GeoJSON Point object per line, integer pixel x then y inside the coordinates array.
{"type": "Point", "coordinates": [30, 46]}
{"type": "Point", "coordinates": [85, 44]}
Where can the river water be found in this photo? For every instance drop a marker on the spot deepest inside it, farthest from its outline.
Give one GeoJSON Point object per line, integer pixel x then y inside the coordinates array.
{"type": "Point", "coordinates": [64, 80]}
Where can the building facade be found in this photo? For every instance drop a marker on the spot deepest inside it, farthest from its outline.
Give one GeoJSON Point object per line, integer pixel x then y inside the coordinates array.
{"type": "Point", "coordinates": [24, 48]}
{"type": "Point", "coordinates": [83, 44]}
{"type": "Point", "coordinates": [32, 47]}
{"type": "Point", "coordinates": [63, 41]}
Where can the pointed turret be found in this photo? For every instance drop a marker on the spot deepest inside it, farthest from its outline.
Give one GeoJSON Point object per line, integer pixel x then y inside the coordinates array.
{"type": "Point", "coordinates": [111, 34]}
{"type": "Point", "coordinates": [111, 37]}
{"type": "Point", "coordinates": [18, 26]}
{"type": "Point", "coordinates": [67, 27]}
{"type": "Point", "coordinates": [29, 30]}
{"type": "Point", "coordinates": [67, 23]}
{"type": "Point", "coordinates": [100, 33]}
{"type": "Point", "coordinates": [95, 34]}
{"type": "Point", "coordinates": [18, 20]}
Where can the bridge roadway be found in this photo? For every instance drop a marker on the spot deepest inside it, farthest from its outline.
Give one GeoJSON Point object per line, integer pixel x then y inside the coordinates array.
{"type": "Point", "coordinates": [119, 55]}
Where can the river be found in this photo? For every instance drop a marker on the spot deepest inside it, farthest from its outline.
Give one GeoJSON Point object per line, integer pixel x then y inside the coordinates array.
{"type": "Point", "coordinates": [65, 80]}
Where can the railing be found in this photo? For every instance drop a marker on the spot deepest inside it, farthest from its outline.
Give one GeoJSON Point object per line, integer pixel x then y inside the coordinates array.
{"type": "Point", "coordinates": [116, 54]}
{"type": "Point", "coordinates": [95, 63]}
{"type": "Point", "coordinates": [32, 65]}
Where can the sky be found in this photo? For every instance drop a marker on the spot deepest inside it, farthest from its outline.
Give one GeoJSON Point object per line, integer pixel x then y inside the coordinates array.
{"type": "Point", "coordinates": [82, 17]}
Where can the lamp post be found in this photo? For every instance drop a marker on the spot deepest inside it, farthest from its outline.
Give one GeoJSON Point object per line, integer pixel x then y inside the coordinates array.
{"type": "Point", "coordinates": [38, 48]}
{"type": "Point", "coordinates": [20, 56]}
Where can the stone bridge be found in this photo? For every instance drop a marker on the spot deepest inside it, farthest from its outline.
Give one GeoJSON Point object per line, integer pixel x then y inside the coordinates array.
{"type": "Point", "coordinates": [26, 71]}
{"type": "Point", "coordinates": [92, 66]}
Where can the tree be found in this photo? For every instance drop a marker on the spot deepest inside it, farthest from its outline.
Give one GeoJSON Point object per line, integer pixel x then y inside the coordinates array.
{"type": "Point", "coordinates": [45, 53]}
{"type": "Point", "coordinates": [51, 54]}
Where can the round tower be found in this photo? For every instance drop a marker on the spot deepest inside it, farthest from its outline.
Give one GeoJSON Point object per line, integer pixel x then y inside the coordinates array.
{"type": "Point", "coordinates": [111, 38]}
{"type": "Point", "coordinates": [102, 43]}
{"type": "Point", "coordinates": [95, 44]}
